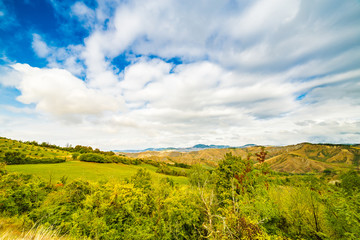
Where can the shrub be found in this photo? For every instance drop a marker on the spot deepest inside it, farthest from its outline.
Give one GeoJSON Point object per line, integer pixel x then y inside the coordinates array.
{"type": "Point", "coordinates": [20, 193]}
{"type": "Point", "coordinates": [15, 158]}
{"type": "Point", "coordinates": [93, 157]}
{"type": "Point", "coordinates": [75, 155]}
{"type": "Point", "coordinates": [168, 171]}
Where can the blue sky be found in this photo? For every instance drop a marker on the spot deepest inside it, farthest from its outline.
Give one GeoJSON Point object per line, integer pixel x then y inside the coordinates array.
{"type": "Point", "coordinates": [134, 74]}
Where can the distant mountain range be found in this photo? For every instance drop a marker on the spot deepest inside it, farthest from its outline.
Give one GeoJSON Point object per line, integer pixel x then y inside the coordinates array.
{"type": "Point", "coordinates": [196, 147]}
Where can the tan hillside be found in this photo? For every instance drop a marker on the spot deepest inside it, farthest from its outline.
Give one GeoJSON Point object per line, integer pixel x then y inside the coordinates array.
{"type": "Point", "coordinates": [343, 156]}
{"type": "Point", "coordinates": [296, 164]}
{"type": "Point", "coordinates": [305, 157]}
{"type": "Point", "coordinates": [299, 158]}
{"type": "Point", "coordinates": [206, 156]}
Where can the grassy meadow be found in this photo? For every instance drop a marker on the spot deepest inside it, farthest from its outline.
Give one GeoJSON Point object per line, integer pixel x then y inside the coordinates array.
{"type": "Point", "coordinates": [74, 169]}
{"type": "Point", "coordinates": [90, 171]}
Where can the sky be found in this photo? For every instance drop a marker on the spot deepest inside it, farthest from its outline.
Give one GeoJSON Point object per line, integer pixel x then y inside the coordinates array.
{"type": "Point", "coordinates": [133, 74]}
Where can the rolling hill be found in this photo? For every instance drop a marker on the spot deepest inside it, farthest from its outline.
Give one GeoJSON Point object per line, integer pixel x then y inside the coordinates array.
{"type": "Point", "coordinates": [32, 150]}
{"type": "Point", "coordinates": [70, 168]}
{"type": "Point", "coordinates": [299, 158]}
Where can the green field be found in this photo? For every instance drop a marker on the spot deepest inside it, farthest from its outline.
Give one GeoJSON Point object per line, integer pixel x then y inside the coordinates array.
{"type": "Point", "coordinates": [74, 169]}
{"type": "Point", "coordinates": [89, 171]}
{"type": "Point", "coordinates": [31, 150]}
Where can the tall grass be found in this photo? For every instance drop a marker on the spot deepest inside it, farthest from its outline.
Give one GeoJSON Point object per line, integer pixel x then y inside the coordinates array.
{"type": "Point", "coordinates": [36, 233]}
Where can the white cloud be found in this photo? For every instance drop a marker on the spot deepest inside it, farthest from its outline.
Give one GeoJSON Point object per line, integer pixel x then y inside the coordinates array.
{"type": "Point", "coordinates": [84, 13]}
{"type": "Point", "coordinates": [39, 46]}
{"type": "Point", "coordinates": [9, 77]}
{"type": "Point", "coordinates": [263, 17]}
{"type": "Point", "coordinates": [64, 57]}
{"type": "Point", "coordinates": [26, 110]}
{"type": "Point", "coordinates": [244, 65]}
{"type": "Point", "coordinates": [59, 93]}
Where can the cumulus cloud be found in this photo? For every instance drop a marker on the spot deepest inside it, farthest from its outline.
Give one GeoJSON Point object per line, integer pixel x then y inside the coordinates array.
{"type": "Point", "coordinates": [266, 72]}
{"type": "Point", "coordinates": [58, 92]}
{"type": "Point", "coordinates": [59, 57]}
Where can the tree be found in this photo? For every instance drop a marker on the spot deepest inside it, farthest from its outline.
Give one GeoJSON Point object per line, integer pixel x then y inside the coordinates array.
{"type": "Point", "coordinates": [234, 174]}
{"type": "Point", "coordinates": [75, 155]}
{"type": "Point", "coordinates": [350, 182]}
{"type": "Point", "coordinates": [142, 179]}
{"type": "Point", "coordinates": [239, 188]}
{"type": "Point", "coordinates": [199, 176]}
{"type": "Point", "coordinates": [14, 158]}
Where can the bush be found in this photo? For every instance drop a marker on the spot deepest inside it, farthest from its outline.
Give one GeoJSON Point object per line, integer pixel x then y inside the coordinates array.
{"type": "Point", "coordinates": [350, 182]}
{"type": "Point", "coordinates": [75, 155]}
{"type": "Point", "coordinates": [44, 160]}
{"type": "Point", "coordinates": [93, 157]}
{"type": "Point", "coordinates": [182, 165]}
{"type": "Point", "coordinates": [15, 158]}
{"type": "Point", "coordinates": [168, 171]}
{"type": "Point", "coordinates": [20, 193]}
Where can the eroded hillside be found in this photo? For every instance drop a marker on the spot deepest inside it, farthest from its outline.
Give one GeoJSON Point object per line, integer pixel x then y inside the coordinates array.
{"type": "Point", "coordinates": [299, 158]}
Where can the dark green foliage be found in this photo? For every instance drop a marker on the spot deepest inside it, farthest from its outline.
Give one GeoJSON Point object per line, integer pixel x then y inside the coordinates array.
{"type": "Point", "coordinates": [343, 214]}
{"type": "Point", "coordinates": [14, 158]}
{"type": "Point", "coordinates": [83, 149]}
{"type": "Point", "coordinates": [101, 158]}
{"type": "Point", "coordinates": [125, 160]}
{"type": "Point", "coordinates": [21, 193]}
{"type": "Point", "coordinates": [182, 165]}
{"type": "Point", "coordinates": [94, 157]}
{"type": "Point", "coordinates": [44, 160]}
{"type": "Point", "coordinates": [121, 159]}
{"type": "Point", "coordinates": [151, 162]}
{"type": "Point", "coordinates": [75, 155]}
{"type": "Point", "coordinates": [164, 169]}
{"type": "Point", "coordinates": [136, 161]}
{"type": "Point", "coordinates": [350, 182]}
{"type": "Point", "coordinates": [20, 158]}
{"type": "Point", "coordinates": [235, 175]}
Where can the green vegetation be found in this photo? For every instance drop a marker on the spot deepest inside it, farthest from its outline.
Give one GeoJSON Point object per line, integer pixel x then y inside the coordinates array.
{"type": "Point", "coordinates": [165, 169]}
{"type": "Point", "coordinates": [20, 158]}
{"type": "Point", "coordinates": [236, 201]}
{"type": "Point", "coordinates": [17, 152]}
{"type": "Point", "coordinates": [103, 158]}
{"type": "Point", "coordinates": [101, 198]}
{"type": "Point", "coordinates": [89, 171]}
